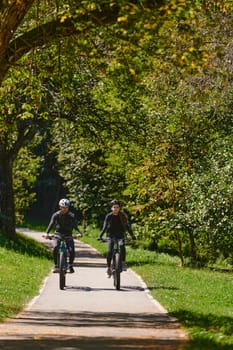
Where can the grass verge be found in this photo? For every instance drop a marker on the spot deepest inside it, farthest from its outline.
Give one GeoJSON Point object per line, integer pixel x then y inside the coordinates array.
{"type": "Point", "coordinates": [23, 265]}
{"type": "Point", "coordinates": [201, 299]}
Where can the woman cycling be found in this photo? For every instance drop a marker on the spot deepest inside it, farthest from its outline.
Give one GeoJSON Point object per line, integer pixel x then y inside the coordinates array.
{"type": "Point", "coordinates": [115, 224]}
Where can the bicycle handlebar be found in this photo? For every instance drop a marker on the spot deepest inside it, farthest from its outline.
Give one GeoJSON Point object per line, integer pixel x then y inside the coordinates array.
{"type": "Point", "coordinates": [53, 236]}
{"type": "Point", "coordinates": [126, 239]}
{"type": "Point", "coordinates": [59, 235]}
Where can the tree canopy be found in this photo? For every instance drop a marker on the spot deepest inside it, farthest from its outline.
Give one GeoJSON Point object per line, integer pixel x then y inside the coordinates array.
{"type": "Point", "coordinates": [134, 100]}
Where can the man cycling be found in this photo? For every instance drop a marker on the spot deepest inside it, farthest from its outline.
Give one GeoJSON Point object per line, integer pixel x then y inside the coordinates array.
{"type": "Point", "coordinates": [115, 224]}
{"type": "Point", "coordinates": [64, 222]}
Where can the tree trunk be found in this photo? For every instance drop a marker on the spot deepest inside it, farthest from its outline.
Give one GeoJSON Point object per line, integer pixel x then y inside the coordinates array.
{"type": "Point", "coordinates": [192, 247]}
{"type": "Point", "coordinates": [7, 208]}
{"type": "Point", "coordinates": [179, 240]}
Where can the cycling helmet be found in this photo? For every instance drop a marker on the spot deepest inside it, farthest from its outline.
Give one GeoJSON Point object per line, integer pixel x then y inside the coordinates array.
{"type": "Point", "coordinates": [115, 202]}
{"type": "Point", "coordinates": [64, 202]}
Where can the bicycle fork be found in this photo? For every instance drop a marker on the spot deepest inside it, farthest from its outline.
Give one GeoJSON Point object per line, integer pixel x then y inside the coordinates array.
{"type": "Point", "coordinates": [62, 251]}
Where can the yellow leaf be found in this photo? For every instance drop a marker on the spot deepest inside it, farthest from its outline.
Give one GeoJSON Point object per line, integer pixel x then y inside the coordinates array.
{"type": "Point", "coordinates": [132, 71]}
{"type": "Point", "coordinates": [63, 18]}
{"type": "Point", "coordinates": [191, 49]}
{"type": "Point", "coordinates": [92, 6]}
{"type": "Point", "coordinates": [122, 19]}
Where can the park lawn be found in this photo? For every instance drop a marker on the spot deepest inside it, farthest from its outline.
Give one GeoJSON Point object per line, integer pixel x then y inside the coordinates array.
{"type": "Point", "coordinates": [24, 264]}
{"type": "Point", "coordinates": [201, 299]}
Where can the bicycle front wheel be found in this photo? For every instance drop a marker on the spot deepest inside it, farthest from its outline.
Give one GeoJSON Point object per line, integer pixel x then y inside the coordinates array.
{"type": "Point", "coordinates": [117, 271]}
{"type": "Point", "coordinates": [62, 271]}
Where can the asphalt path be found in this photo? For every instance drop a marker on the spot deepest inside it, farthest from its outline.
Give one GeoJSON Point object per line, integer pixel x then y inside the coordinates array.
{"type": "Point", "coordinates": [90, 313]}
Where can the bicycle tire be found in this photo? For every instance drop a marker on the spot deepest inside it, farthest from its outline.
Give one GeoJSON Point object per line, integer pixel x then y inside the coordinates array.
{"type": "Point", "coordinates": [117, 271]}
{"type": "Point", "coordinates": [62, 271]}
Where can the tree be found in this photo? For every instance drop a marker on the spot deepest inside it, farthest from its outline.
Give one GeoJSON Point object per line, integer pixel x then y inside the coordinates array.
{"type": "Point", "coordinates": [20, 117]}
{"type": "Point", "coordinates": [168, 30]}
{"type": "Point", "coordinates": [95, 148]}
{"type": "Point", "coordinates": [180, 121]}
{"type": "Point", "coordinates": [22, 29]}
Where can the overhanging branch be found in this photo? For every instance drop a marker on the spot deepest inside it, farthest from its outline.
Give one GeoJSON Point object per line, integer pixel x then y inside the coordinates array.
{"type": "Point", "coordinates": [53, 30]}
{"type": "Point", "coordinates": [37, 37]}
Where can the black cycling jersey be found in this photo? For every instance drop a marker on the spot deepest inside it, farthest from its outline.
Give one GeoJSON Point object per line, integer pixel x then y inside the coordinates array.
{"type": "Point", "coordinates": [116, 225]}
{"type": "Point", "coordinates": [64, 223]}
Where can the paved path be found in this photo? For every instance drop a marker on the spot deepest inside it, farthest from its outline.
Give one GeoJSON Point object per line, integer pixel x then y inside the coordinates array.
{"type": "Point", "coordinates": [91, 314]}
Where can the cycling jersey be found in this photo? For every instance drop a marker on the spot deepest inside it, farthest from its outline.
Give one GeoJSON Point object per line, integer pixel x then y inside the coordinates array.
{"type": "Point", "coordinates": [116, 225]}
{"type": "Point", "coordinates": [64, 223]}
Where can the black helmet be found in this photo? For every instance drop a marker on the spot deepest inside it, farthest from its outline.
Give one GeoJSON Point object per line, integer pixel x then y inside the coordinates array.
{"type": "Point", "coordinates": [115, 202]}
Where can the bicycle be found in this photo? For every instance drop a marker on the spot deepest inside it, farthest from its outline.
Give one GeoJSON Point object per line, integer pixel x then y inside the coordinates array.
{"type": "Point", "coordinates": [62, 259]}
{"type": "Point", "coordinates": [116, 265]}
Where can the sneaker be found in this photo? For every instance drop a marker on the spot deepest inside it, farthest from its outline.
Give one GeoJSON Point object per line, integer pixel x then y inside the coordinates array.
{"type": "Point", "coordinates": [55, 269]}
{"type": "Point", "coordinates": [124, 266]}
{"type": "Point", "coordinates": [71, 269]}
{"type": "Point", "coordinates": [109, 272]}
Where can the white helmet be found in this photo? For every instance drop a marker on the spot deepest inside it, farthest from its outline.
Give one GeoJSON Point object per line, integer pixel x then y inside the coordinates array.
{"type": "Point", "coordinates": [64, 203]}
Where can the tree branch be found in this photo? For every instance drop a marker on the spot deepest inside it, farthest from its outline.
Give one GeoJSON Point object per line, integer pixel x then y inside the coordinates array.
{"type": "Point", "coordinates": [55, 29]}
{"type": "Point", "coordinates": [26, 132]}
{"type": "Point", "coordinates": [34, 38]}
{"type": "Point", "coordinates": [37, 37]}
{"type": "Point", "coordinates": [11, 15]}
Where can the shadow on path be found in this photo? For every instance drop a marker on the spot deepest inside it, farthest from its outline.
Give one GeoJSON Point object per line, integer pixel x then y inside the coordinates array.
{"type": "Point", "coordinates": [95, 289]}
{"type": "Point", "coordinates": [83, 343]}
{"type": "Point", "coordinates": [89, 330]}
{"type": "Point", "coordinates": [96, 319]}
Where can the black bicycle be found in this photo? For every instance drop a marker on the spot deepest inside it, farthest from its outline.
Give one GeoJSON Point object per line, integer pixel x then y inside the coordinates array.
{"type": "Point", "coordinates": [62, 259]}
{"type": "Point", "coordinates": [116, 265]}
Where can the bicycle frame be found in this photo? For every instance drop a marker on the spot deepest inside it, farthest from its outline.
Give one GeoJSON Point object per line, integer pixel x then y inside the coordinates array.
{"type": "Point", "coordinates": [116, 260]}
{"type": "Point", "coordinates": [62, 258]}
{"type": "Point", "coordinates": [117, 250]}
{"type": "Point", "coordinates": [63, 250]}
{"type": "Point", "coordinates": [117, 263]}
{"type": "Point", "coordinates": [63, 253]}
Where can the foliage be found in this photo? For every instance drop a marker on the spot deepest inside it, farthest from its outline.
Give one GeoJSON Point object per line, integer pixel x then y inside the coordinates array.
{"type": "Point", "coordinates": [149, 132]}
{"type": "Point", "coordinates": [209, 204]}
{"type": "Point", "coordinates": [25, 174]}
{"type": "Point", "coordinates": [135, 98]}
{"type": "Point", "coordinates": [98, 139]}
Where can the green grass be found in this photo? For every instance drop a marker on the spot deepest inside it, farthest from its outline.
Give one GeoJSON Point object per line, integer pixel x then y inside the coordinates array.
{"type": "Point", "coordinates": [23, 265]}
{"type": "Point", "coordinates": [36, 226]}
{"type": "Point", "coordinates": [201, 299]}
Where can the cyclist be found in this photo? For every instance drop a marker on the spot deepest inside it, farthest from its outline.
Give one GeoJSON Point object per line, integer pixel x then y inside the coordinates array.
{"type": "Point", "coordinates": [64, 222]}
{"type": "Point", "coordinates": [115, 224]}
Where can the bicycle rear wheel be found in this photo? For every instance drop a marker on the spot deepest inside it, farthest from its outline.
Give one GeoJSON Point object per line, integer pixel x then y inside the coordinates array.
{"type": "Point", "coordinates": [62, 271]}
{"type": "Point", "coordinates": [117, 271]}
